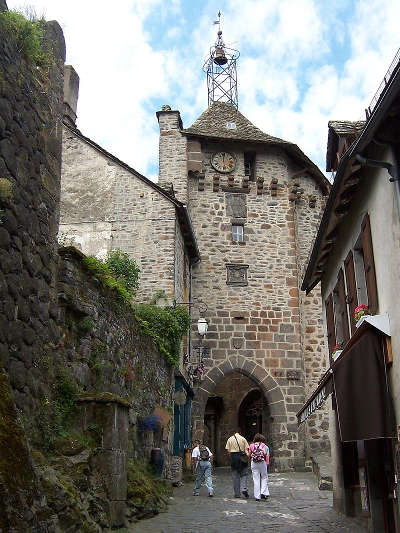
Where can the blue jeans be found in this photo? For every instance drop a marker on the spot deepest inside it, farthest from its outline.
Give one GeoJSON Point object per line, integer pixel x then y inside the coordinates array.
{"type": "Point", "coordinates": [203, 469]}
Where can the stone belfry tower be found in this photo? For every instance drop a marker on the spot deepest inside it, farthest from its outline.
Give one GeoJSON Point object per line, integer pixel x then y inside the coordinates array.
{"type": "Point", "coordinates": [255, 202]}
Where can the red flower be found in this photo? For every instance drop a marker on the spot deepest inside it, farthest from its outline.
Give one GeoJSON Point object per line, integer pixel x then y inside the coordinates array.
{"type": "Point", "coordinates": [361, 307]}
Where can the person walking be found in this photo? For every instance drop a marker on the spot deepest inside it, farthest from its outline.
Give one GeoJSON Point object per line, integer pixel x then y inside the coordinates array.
{"type": "Point", "coordinates": [238, 448]}
{"type": "Point", "coordinates": [259, 455]}
{"type": "Point", "coordinates": [202, 459]}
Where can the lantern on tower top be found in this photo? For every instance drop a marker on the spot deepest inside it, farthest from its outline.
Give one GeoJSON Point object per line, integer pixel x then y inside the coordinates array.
{"type": "Point", "coordinates": [220, 68]}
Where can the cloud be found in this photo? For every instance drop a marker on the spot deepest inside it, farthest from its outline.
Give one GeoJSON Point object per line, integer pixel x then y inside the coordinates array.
{"type": "Point", "coordinates": [303, 62]}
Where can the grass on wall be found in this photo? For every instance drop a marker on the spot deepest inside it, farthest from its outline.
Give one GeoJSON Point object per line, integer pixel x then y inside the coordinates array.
{"type": "Point", "coordinates": [28, 34]}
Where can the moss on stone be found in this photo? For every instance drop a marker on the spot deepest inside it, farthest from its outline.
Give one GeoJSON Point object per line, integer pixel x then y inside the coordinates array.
{"type": "Point", "coordinates": [16, 471]}
{"type": "Point", "coordinates": [103, 397]}
{"type": "Point", "coordinates": [147, 495]}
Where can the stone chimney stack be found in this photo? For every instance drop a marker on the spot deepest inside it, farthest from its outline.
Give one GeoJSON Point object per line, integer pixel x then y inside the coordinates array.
{"type": "Point", "coordinates": [71, 93]}
{"type": "Point", "coordinates": [172, 153]}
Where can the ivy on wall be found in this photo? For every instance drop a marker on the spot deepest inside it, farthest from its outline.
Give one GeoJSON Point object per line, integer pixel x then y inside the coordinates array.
{"type": "Point", "coordinates": [166, 326]}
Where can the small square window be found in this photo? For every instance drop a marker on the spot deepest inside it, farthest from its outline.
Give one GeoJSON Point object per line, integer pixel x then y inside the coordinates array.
{"type": "Point", "coordinates": [237, 233]}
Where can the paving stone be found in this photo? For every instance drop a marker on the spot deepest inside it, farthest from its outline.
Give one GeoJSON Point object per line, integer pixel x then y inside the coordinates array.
{"type": "Point", "coordinates": [295, 506]}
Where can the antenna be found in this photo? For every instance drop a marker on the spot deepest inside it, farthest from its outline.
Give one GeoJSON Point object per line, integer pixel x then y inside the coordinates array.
{"type": "Point", "coordinates": [220, 68]}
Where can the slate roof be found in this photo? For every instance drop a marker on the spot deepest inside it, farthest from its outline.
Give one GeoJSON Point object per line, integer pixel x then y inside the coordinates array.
{"type": "Point", "coordinates": [347, 127]}
{"type": "Point", "coordinates": [212, 124]}
{"type": "Point", "coordinates": [340, 128]}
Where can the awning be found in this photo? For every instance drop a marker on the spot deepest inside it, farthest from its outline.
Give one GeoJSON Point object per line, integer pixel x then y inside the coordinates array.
{"type": "Point", "coordinates": [358, 380]}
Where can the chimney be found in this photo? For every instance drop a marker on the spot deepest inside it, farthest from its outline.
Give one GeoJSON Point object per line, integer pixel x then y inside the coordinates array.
{"type": "Point", "coordinates": [71, 93]}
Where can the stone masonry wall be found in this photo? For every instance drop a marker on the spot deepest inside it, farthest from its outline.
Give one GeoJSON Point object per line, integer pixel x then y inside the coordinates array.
{"type": "Point", "coordinates": [308, 211]}
{"type": "Point", "coordinates": [30, 159]}
{"type": "Point", "coordinates": [61, 334]}
{"type": "Point", "coordinates": [259, 321]}
{"type": "Point", "coordinates": [106, 207]}
{"type": "Point", "coordinates": [172, 155]}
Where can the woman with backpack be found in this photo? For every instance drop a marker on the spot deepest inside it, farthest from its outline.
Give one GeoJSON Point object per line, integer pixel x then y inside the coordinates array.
{"type": "Point", "coordinates": [259, 455]}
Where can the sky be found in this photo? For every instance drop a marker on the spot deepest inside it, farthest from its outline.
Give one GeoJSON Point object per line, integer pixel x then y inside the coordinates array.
{"type": "Point", "coordinates": [302, 63]}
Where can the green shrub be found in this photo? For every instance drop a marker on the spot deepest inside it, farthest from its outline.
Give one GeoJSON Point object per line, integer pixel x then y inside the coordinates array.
{"type": "Point", "coordinates": [124, 269]}
{"type": "Point", "coordinates": [101, 271]}
{"type": "Point", "coordinates": [28, 35]}
{"type": "Point", "coordinates": [166, 326]}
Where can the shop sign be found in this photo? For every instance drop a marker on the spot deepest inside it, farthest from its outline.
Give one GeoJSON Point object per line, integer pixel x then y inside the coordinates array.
{"type": "Point", "coordinates": [315, 404]}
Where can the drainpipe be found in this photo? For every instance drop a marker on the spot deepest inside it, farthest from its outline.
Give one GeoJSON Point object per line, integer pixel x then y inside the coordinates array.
{"type": "Point", "coordinates": [190, 308]}
{"type": "Point", "coordinates": [392, 168]}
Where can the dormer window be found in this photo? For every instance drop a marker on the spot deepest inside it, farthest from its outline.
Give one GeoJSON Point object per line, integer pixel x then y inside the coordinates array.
{"type": "Point", "coordinates": [249, 165]}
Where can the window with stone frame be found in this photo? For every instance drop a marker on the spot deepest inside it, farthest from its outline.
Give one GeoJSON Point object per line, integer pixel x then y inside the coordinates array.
{"type": "Point", "coordinates": [236, 274]}
{"type": "Point", "coordinates": [237, 233]}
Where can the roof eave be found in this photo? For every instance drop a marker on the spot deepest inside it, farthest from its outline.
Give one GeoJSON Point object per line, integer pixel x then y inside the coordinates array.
{"type": "Point", "coordinates": [311, 277]}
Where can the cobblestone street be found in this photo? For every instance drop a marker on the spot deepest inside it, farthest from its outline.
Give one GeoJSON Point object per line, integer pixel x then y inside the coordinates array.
{"type": "Point", "coordinates": [295, 505]}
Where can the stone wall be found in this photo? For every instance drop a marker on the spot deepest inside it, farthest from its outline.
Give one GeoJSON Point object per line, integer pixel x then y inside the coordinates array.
{"type": "Point", "coordinates": [104, 207]}
{"type": "Point", "coordinates": [308, 212]}
{"type": "Point", "coordinates": [257, 322]}
{"type": "Point", "coordinates": [30, 159]}
{"type": "Point", "coordinates": [63, 337]}
{"type": "Point", "coordinates": [172, 154]}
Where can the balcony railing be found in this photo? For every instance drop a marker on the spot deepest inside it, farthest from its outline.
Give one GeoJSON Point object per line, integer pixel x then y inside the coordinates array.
{"type": "Point", "coordinates": [374, 101]}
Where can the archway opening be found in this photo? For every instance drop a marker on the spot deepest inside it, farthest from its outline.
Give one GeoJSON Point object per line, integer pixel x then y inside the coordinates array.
{"type": "Point", "coordinates": [251, 414]}
{"type": "Point", "coordinates": [237, 401]}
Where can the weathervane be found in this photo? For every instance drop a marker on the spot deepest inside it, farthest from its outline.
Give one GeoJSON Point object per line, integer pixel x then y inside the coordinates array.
{"type": "Point", "coordinates": [220, 68]}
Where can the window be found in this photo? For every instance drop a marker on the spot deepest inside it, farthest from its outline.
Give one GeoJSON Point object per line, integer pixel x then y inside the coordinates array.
{"type": "Point", "coordinates": [237, 233]}
{"type": "Point", "coordinates": [249, 165]}
{"type": "Point", "coordinates": [357, 285]}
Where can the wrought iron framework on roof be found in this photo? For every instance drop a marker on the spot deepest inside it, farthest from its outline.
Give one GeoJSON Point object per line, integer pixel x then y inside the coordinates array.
{"type": "Point", "coordinates": [220, 68]}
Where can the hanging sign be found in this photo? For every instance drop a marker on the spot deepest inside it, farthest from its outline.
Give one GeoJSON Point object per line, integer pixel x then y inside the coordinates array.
{"type": "Point", "coordinates": [315, 404]}
{"type": "Point", "coordinates": [180, 397]}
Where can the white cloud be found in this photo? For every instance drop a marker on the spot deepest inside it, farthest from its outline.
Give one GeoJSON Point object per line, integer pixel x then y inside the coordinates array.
{"type": "Point", "coordinates": [303, 63]}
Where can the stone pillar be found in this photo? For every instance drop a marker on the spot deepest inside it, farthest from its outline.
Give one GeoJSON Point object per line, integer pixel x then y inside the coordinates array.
{"type": "Point", "coordinates": [110, 414]}
{"type": "Point", "coordinates": [172, 153]}
{"type": "Point", "coordinates": [71, 94]}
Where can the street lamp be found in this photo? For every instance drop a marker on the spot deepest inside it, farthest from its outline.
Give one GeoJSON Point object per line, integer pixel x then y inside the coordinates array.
{"type": "Point", "coordinates": [202, 327]}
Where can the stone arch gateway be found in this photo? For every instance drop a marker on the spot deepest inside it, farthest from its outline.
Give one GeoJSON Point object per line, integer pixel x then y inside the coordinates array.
{"type": "Point", "coordinates": [288, 453]}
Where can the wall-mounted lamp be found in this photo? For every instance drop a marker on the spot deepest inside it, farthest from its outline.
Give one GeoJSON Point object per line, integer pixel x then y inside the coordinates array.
{"type": "Point", "coordinates": [202, 326]}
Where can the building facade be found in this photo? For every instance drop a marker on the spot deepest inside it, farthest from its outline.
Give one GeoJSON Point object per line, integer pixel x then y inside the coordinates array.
{"type": "Point", "coordinates": [255, 202]}
{"type": "Point", "coordinates": [356, 259]}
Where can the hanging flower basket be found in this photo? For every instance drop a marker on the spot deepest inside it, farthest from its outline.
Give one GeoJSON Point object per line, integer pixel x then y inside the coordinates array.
{"type": "Point", "coordinates": [361, 310]}
{"type": "Point", "coordinates": [336, 351]}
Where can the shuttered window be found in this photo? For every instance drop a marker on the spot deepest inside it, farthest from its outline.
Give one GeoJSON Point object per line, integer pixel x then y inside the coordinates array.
{"type": "Point", "coordinates": [342, 323]}
{"type": "Point", "coordinates": [351, 297]}
{"type": "Point", "coordinates": [330, 322]}
{"type": "Point", "coordinates": [369, 265]}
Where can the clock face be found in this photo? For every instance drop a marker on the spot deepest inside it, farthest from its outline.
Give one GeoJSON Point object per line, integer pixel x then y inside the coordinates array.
{"type": "Point", "coordinates": [223, 162]}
